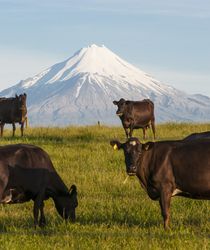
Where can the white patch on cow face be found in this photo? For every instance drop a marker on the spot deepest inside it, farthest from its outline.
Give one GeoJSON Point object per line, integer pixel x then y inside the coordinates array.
{"type": "Point", "coordinates": [133, 143]}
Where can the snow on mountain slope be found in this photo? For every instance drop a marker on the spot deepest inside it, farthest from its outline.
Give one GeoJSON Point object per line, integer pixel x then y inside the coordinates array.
{"type": "Point", "coordinates": [81, 89]}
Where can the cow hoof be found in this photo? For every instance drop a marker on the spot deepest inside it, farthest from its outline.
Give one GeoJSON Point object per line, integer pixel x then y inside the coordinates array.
{"type": "Point", "coordinates": [42, 224]}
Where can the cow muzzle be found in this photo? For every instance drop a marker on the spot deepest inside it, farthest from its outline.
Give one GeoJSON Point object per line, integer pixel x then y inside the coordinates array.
{"type": "Point", "coordinates": [131, 171]}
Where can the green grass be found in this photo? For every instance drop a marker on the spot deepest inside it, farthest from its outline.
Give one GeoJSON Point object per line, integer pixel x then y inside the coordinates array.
{"type": "Point", "coordinates": [111, 215]}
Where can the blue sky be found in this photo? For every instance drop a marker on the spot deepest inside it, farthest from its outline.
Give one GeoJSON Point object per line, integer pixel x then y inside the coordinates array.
{"type": "Point", "coordinates": [167, 39]}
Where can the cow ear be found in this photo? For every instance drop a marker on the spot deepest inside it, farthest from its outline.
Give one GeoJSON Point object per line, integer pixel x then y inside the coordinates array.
{"type": "Point", "coordinates": [73, 189]}
{"type": "Point", "coordinates": [116, 144]}
{"type": "Point", "coordinates": [73, 195]}
{"type": "Point", "coordinates": [115, 102]}
{"type": "Point", "coordinates": [122, 100]}
{"type": "Point", "coordinates": [25, 94]}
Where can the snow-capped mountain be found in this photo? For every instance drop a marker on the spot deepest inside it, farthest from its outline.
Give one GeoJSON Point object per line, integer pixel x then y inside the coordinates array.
{"type": "Point", "coordinates": [81, 89]}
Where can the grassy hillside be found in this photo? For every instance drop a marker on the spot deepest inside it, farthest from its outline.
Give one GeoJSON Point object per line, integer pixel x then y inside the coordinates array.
{"type": "Point", "coordinates": [111, 215]}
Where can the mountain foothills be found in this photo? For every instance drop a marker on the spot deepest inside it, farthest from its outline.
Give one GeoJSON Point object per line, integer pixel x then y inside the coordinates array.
{"type": "Point", "coordinates": [81, 90]}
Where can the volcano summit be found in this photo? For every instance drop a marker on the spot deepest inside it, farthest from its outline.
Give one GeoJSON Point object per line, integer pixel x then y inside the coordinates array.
{"type": "Point", "coordinates": [81, 89]}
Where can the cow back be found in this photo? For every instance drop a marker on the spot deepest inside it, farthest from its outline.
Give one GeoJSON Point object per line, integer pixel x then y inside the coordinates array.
{"type": "Point", "coordinates": [25, 158]}
{"type": "Point", "coordinates": [191, 169]}
{"type": "Point", "coordinates": [196, 136]}
{"type": "Point", "coordinates": [9, 111]}
{"type": "Point", "coordinates": [142, 112]}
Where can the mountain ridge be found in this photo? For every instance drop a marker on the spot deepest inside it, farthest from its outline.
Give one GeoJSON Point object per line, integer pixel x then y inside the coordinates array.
{"type": "Point", "coordinates": [80, 91]}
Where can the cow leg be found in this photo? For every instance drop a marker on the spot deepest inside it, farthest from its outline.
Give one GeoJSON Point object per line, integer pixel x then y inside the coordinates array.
{"type": "Point", "coordinates": [2, 128]}
{"type": "Point", "coordinates": [26, 121]}
{"type": "Point", "coordinates": [131, 131]}
{"type": "Point", "coordinates": [153, 128]}
{"type": "Point", "coordinates": [2, 187]}
{"type": "Point", "coordinates": [164, 201]}
{"type": "Point", "coordinates": [38, 203]}
{"type": "Point", "coordinates": [4, 177]}
{"type": "Point", "coordinates": [21, 128]}
{"type": "Point", "coordinates": [42, 220]}
{"type": "Point", "coordinates": [36, 213]}
{"type": "Point", "coordinates": [144, 133]}
{"type": "Point", "coordinates": [13, 129]}
{"type": "Point", "coordinates": [126, 132]}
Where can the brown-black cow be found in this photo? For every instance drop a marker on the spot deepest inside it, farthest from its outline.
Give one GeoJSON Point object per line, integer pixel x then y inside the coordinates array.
{"type": "Point", "coordinates": [136, 114]}
{"type": "Point", "coordinates": [169, 168]}
{"type": "Point", "coordinates": [197, 136]}
{"type": "Point", "coordinates": [13, 110]}
{"type": "Point", "coordinates": [27, 173]}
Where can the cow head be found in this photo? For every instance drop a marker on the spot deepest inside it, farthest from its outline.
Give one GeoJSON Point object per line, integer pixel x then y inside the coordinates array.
{"type": "Point", "coordinates": [121, 104]}
{"type": "Point", "coordinates": [22, 105]}
{"type": "Point", "coordinates": [66, 204]}
{"type": "Point", "coordinates": [132, 150]}
{"type": "Point", "coordinates": [22, 99]}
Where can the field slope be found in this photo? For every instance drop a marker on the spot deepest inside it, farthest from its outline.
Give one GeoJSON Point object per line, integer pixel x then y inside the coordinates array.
{"type": "Point", "coordinates": [111, 215]}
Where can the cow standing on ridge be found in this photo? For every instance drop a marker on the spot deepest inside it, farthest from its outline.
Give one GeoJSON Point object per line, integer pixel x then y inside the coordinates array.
{"type": "Point", "coordinates": [169, 168]}
{"type": "Point", "coordinates": [13, 110]}
{"type": "Point", "coordinates": [136, 114]}
{"type": "Point", "coordinates": [27, 173]}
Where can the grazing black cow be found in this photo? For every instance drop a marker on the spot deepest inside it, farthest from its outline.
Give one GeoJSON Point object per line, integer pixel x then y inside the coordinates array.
{"type": "Point", "coordinates": [27, 173]}
{"type": "Point", "coordinates": [169, 168]}
{"type": "Point", "coordinates": [13, 110]}
{"type": "Point", "coordinates": [134, 115]}
{"type": "Point", "coordinates": [196, 136]}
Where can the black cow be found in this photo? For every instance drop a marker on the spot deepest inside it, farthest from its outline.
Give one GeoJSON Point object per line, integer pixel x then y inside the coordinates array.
{"type": "Point", "coordinates": [27, 173]}
{"type": "Point", "coordinates": [134, 115]}
{"type": "Point", "coordinates": [13, 110]}
{"type": "Point", "coordinates": [169, 168]}
{"type": "Point", "coordinates": [196, 136]}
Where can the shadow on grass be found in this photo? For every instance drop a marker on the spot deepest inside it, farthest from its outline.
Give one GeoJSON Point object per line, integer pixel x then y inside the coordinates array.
{"type": "Point", "coordinates": [46, 139]}
{"type": "Point", "coordinates": [195, 222]}
{"type": "Point", "coordinates": [26, 226]}
{"type": "Point", "coordinates": [119, 222]}
{"type": "Point", "coordinates": [9, 225]}
{"type": "Point", "coordinates": [31, 138]}
{"type": "Point", "coordinates": [175, 224]}
{"type": "Point", "coordinates": [102, 226]}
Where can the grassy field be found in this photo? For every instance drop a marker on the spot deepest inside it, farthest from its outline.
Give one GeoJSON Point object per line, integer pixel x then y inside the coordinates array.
{"type": "Point", "coordinates": [111, 215]}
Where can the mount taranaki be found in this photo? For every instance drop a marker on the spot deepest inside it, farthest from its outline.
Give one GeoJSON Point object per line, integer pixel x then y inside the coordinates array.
{"type": "Point", "coordinates": [81, 89]}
